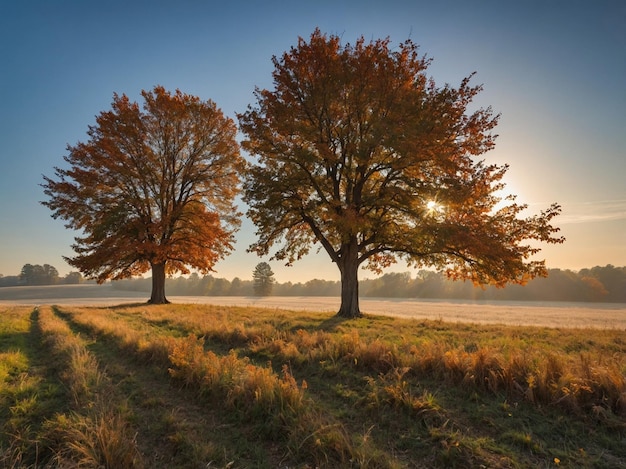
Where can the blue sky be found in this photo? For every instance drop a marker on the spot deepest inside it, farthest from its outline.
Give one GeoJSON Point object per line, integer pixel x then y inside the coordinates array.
{"type": "Point", "coordinates": [555, 70]}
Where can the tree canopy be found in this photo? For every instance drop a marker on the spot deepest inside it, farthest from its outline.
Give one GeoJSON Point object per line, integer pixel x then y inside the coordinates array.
{"type": "Point", "coordinates": [361, 153]}
{"type": "Point", "coordinates": [152, 188]}
{"type": "Point", "coordinates": [39, 275]}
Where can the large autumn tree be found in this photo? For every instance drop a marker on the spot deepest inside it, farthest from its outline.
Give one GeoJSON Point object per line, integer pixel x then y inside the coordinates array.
{"type": "Point", "coordinates": [361, 153]}
{"type": "Point", "coordinates": [152, 188]}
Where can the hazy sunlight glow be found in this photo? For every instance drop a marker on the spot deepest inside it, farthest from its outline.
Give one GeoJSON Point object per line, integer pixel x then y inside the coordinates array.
{"type": "Point", "coordinates": [433, 206]}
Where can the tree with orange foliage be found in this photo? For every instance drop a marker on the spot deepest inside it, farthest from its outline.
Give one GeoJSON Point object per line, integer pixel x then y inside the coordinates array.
{"type": "Point", "coordinates": [359, 151]}
{"type": "Point", "coordinates": [151, 189]}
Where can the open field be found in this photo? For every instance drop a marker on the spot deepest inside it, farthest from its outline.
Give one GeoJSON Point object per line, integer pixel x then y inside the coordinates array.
{"type": "Point", "coordinates": [577, 315]}
{"type": "Point", "coordinates": [197, 386]}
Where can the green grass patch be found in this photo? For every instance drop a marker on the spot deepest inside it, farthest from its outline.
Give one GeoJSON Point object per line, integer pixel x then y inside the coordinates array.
{"type": "Point", "coordinates": [30, 391]}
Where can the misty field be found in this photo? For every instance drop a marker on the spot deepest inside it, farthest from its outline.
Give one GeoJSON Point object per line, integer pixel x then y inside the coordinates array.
{"type": "Point", "coordinates": [523, 313]}
{"type": "Point", "coordinates": [247, 387]}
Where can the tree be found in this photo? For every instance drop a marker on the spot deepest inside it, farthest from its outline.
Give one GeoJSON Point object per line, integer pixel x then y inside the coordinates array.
{"type": "Point", "coordinates": [263, 278]}
{"type": "Point", "coordinates": [150, 189]}
{"type": "Point", "coordinates": [612, 278]}
{"type": "Point", "coordinates": [32, 274]}
{"type": "Point", "coordinates": [236, 287]}
{"type": "Point", "coordinates": [73, 278]}
{"type": "Point", "coordinates": [9, 280]}
{"type": "Point", "coordinates": [51, 274]}
{"type": "Point", "coordinates": [359, 152]}
{"type": "Point", "coordinates": [39, 275]}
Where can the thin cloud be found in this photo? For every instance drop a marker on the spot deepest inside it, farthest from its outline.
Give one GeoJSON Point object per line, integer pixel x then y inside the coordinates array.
{"type": "Point", "coordinates": [593, 212]}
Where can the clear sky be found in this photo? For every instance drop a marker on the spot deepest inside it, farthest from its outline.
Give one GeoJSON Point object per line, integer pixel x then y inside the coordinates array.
{"type": "Point", "coordinates": [555, 70]}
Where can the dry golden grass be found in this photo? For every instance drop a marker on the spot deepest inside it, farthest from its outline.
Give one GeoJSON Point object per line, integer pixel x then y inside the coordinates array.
{"type": "Point", "coordinates": [95, 433]}
{"type": "Point", "coordinates": [579, 381]}
{"type": "Point", "coordinates": [322, 392]}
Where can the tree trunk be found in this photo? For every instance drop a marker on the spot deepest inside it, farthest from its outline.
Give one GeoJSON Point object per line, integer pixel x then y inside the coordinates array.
{"type": "Point", "coordinates": [349, 267]}
{"type": "Point", "coordinates": [158, 285]}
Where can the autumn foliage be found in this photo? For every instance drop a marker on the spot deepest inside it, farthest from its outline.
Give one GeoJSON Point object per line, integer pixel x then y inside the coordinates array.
{"type": "Point", "coordinates": [357, 150]}
{"type": "Point", "coordinates": [360, 152]}
{"type": "Point", "coordinates": [152, 188]}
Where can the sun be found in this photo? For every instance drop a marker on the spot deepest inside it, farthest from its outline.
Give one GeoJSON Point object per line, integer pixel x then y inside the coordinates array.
{"type": "Point", "coordinates": [432, 206]}
{"type": "Point", "coordinates": [434, 209]}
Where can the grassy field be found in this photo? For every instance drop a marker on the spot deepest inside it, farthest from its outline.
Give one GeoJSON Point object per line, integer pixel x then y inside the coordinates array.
{"type": "Point", "coordinates": [200, 386]}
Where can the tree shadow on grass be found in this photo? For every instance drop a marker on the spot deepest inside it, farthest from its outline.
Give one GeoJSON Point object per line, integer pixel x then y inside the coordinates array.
{"type": "Point", "coordinates": [332, 323]}
{"type": "Point", "coordinates": [129, 305]}
{"type": "Point", "coordinates": [119, 305]}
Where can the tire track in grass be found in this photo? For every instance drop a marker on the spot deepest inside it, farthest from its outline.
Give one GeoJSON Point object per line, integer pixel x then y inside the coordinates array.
{"type": "Point", "coordinates": [30, 393]}
{"type": "Point", "coordinates": [175, 428]}
{"type": "Point", "coordinates": [96, 432]}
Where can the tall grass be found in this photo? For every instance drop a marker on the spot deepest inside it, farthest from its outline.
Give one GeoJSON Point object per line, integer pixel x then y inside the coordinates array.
{"type": "Point", "coordinates": [251, 391]}
{"type": "Point", "coordinates": [581, 383]}
{"type": "Point", "coordinates": [249, 366]}
{"type": "Point", "coordinates": [96, 433]}
{"type": "Point", "coordinates": [130, 336]}
{"type": "Point", "coordinates": [274, 401]}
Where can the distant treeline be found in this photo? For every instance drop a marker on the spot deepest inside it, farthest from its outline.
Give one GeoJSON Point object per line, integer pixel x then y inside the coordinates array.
{"type": "Point", "coordinates": [606, 284]}
{"type": "Point", "coordinates": [35, 274]}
